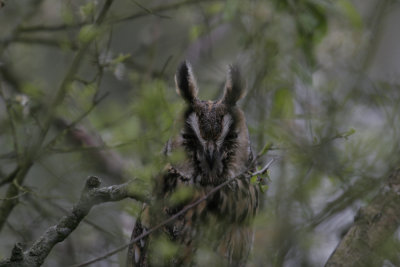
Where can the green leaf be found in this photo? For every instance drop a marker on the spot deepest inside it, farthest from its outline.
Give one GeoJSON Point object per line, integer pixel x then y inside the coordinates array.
{"type": "Point", "coordinates": [281, 4]}
{"type": "Point", "coordinates": [121, 58]}
{"type": "Point", "coordinates": [231, 8]}
{"type": "Point", "coordinates": [164, 249]}
{"type": "Point", "coordinates": [133, 209]}
{"type": "Point", "coordinates": [263, 188]}
{"type": "Point", "coordinates": [214, 8]}
{"type": "Point", "coordinates": [181, 195]}
{"type": "Point", "coordinates": [319, 22]}
{"type": "Point", "coordinates": [89, 90]}
{"type": "Point", "coordinates": [266, 148]}
{"type": "Point", "coordinates": [88, 9]}
{"type": "Point", "coordinates": [88, 33]}
{"type": "Point", "coordinates": [140, 188]}
{"type": "Point", "coordinates": [195, 32]}
{"type": "Point", "coordinates": [283, 104]}
{"type": "Point", "coordinates": [32, 90]}
{"type": "Point", "coordinates": [67, 16]}
{"type": "Point", "coordinates": [254, 180]}
{"type": "Point", "coordinates": [349, 133]}
{"type": "Point", "coordinates": [265, 175]}
{"type": "Point", "coordinates": [308, 21]}
{"type": "Point", "coordinates": [315, 140]}
{"type": "Point", "coordinates": [351, 12]}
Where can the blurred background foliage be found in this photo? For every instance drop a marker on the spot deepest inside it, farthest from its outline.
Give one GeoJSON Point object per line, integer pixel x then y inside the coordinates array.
{"type": "Point", "coordinates": [322, 99]}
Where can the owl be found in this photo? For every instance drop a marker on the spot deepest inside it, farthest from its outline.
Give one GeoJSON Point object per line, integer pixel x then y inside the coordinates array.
{"type": "Point", "coordinates": [215, 145]}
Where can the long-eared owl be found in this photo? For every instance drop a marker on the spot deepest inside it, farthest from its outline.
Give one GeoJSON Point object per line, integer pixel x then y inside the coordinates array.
{"type": "Point", "coordinates": [215, 143]}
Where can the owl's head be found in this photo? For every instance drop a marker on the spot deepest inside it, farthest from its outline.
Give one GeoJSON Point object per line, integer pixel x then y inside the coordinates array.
{"type": "Point", "coordinates": [214, 134]}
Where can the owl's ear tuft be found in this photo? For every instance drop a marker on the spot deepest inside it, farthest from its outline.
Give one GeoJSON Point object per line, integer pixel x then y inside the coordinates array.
{"type": "Point", "coordinates": [235, 88]}
{"type": "Point", "coordinates": [186, 83]}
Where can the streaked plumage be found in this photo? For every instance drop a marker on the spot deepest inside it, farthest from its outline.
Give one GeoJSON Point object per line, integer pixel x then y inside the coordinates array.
{"type": "Point", "coordinates": [215, 141]}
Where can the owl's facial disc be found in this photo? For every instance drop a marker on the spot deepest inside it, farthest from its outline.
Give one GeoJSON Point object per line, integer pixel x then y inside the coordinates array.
{"type": "Point", "coordinates": [210, 124]}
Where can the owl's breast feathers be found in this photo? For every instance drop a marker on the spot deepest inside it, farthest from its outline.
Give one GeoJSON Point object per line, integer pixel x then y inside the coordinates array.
{"type": "Point", "coordinates": [234, 202]}
{"type": "Point", "coordinates": [222, 221]}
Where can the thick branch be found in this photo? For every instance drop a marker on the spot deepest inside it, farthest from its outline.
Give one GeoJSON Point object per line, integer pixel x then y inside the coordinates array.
{"type": "Point", "coordinates": [373, 226]}
{"type": "Point", "coordinates": [107, 159]}
{"type": "Point", "coordinates": [91, 195]}
{"type": "Point", "coordinates": [245, 174]}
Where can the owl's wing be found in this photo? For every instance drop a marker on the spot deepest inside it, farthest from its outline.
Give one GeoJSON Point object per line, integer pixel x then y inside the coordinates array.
{"type": "Point", "coordinates": [137, 252]}
{"type": "Point", "coordinates": [179, 231]}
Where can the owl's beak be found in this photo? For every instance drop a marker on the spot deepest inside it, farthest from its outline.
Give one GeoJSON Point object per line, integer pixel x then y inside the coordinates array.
{"type": "Point", "coordinates": [210, 158]}
{"type": "Point", "coordinates": [210, 154]}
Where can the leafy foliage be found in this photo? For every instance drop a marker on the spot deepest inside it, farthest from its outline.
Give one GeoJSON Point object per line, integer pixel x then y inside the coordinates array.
{"type": "Point", "coordinates": [317, 102]}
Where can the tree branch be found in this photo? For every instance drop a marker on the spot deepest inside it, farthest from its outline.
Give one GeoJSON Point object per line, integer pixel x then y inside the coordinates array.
{"type": "Point", "coordinates": [46, 42]}
{"type": "Point", "coordinates": [10, 115]}
{"type": "Point", "coordinates": [147, 12]}
{"type": "Point", "coordinates": [245, 173]}
{"type": "Point", "coordinates": [373, 227]}
{"type": "Point", "coordinates": [106, 158]}
{"type": "Point", "coordinates": [91, 195]}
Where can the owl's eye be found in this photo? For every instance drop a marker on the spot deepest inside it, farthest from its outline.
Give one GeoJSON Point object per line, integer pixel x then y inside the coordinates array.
{"type": "Point", "coordinates": [232, 135]}
{"type": "Point", "coordinates": [187, 136]}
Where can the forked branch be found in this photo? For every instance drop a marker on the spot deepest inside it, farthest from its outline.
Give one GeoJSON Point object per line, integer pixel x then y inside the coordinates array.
{"type": "Point", "coordinates": [91, 195]}
{"type": "Point", "coordinates": [246, 173]}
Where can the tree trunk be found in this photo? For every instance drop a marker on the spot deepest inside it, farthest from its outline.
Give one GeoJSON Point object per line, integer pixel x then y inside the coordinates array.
{"type": "Point", "coordinates": [374, 226]}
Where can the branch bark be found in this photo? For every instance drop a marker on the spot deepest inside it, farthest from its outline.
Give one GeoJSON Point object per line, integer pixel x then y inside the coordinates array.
{"type": "Point", "coordinates": [373, 227]}
{"type": "Point", "coordinates": [91, 195]}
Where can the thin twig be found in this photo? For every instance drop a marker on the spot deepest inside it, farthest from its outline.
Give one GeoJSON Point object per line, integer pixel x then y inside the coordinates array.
{"type": "Point", "coordinates": [8, 155]}
{"type": "Point", "coordinates": [159, 9]}
{"type": "Point", "coordinates": [165, 65]}
{"type": "Point", "coordinates": [46, 42]}
{"type": "Point", "coordinates": [170, 219]}
{"type": "Point", "coordinates": [14, 197]}
{"type": "Point", "coordinates": [265, 168]}
{"type": "Point", "coordinates": [137, 15]}
{"type": "Point", "coordinates": [12, 123]}
{"type": "Point", "coordinates": [16, 29]}
{"type": "Point", "coordinates": [149, 11]}
{"type": "Point", "coordinates": [75, 122]}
